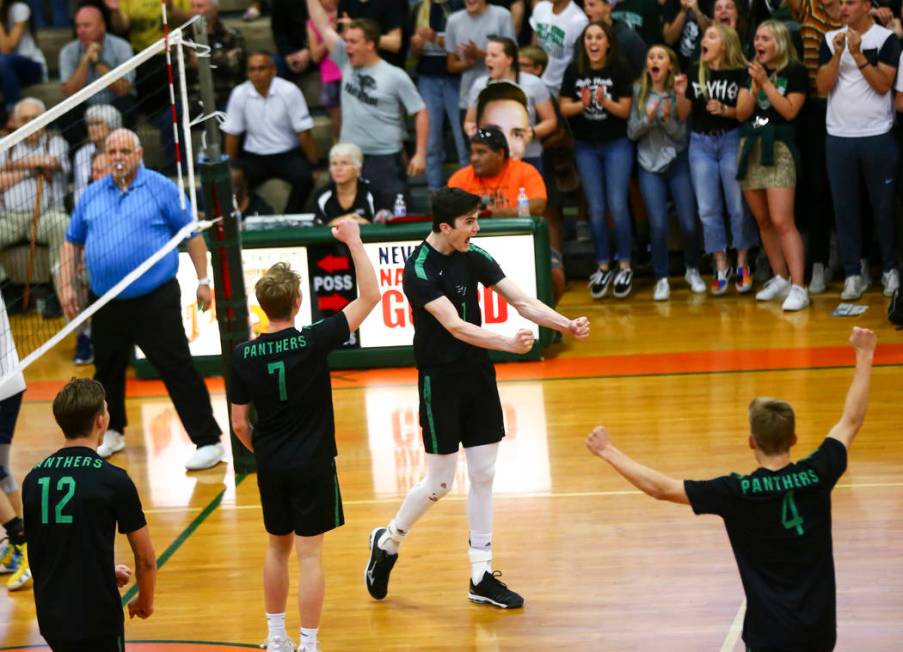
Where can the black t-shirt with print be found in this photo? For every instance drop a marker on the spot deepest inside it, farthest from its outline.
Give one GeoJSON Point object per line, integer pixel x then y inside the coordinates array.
{"type": "Point", "coordinates": [367, 203]}
{"type": "Point", "coordinates": [286, 376]}
{"type": "Point", "coordinates": [721, 85]}
{"type": "Point", "coordinates": [594, 123]}
{"type": "Point", "coordinates": [429, 275]}
{"type": "Point", "coordinates": [779, 526]}
{"type": "Point", "coordinates": [792, 79]}
{"type": "Point", "coordinates": [73, 502]}
{"type": "Point", "coordinates": [691, 33]}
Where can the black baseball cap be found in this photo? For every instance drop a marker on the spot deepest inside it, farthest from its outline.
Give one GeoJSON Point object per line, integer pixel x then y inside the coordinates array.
{"type": "Point", "coordinates": [493, 137]}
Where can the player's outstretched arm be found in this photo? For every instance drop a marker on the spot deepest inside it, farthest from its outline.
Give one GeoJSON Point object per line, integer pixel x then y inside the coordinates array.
{"type": "Point", "coordinates": [446, 314]}
{"type": "Point", "coordinates": [241, 424]}
{"type": "Point", "coordinates": [863, 342]}
{"type": "Point", "coordinates": [649, 481]}
{"type": "Point", "coordinates": [320, 19]}
{"type": "Point", "coordinates": [539, 313]}
{"type": "Point", "coordinates": [146, 571]}
{"type": "Point", "coordinates": [368, 294]}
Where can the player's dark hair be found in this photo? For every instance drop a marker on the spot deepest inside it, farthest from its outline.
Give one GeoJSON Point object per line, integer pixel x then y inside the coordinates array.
{"type": "Point", "coordinates": [772, 424]}
{"type": "Point", "coordinates": [277, 291]}
{"type": "Point", "coordinates": [77, 405]}
{"type": "Point", "coordinates": [369, 27]}
{"type": "Point", "coordinates": [451, 203]}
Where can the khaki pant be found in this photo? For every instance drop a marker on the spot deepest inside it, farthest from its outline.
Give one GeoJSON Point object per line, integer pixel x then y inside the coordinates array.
{"type": "Point", "coordinates": [16, 226]}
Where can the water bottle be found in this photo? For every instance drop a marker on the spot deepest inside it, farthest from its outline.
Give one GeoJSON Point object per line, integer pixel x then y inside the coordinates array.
{"type": "Point", "coordinates": [523, 204]}
{"type": "Point", "coordinates": [400, 209]}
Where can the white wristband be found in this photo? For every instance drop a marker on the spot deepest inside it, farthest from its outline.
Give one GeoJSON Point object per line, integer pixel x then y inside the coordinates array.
{"type": "Point", "coordinates": [204, 281]}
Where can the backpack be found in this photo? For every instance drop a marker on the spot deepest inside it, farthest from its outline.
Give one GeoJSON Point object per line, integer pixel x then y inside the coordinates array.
{"type": "Point", "coordinates": [895, 309]}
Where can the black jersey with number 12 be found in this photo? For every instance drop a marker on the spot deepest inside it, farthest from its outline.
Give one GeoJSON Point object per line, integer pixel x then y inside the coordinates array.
{"type": "Point", "coordinates": [429, 275]}
{"type": "Point", "coordinates": [779, 525]}
{"type": "Point", "coordinates": [73, 502]}
{"type": "Point", "coordinates": [286, 376]}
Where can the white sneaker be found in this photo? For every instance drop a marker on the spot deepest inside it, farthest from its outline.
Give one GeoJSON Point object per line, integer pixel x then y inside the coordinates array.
{"type": "Point", "coordinates": [662, 290]}
{"type": "Point", "coordinates": [777, 287]}
{"type": "Point", "coordinates": [818, 283]}
{"type": "Point", "coordinates": [891, 281]}
{"type": "Point", "coordinates": [853, 288]}
{"type": "Point", "coordinates": [797, 299]}
{"type": "Point", "coordinates": [206, 457]}
{"type": "Point", "coordinates": [278, 643]}
{"type": "Point", "coordinates": [113, 442]}
{"type": "Point", "coordinates": [311, 647]}
{"type": "Point", "coordinates": [697, 285]}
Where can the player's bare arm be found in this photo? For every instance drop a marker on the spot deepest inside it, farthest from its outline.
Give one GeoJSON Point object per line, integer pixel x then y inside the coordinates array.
{"type": "Point", "coordinates": [648, 480]}
{"type": "Point", "coordinates": [320, 20]}
{"type": "Point", "coordinates": [863, 342]}
{"type": "Point", "coordinates": [146, 572]}
{"type": "Point", "coordinates": [349, 233]}
{"type": "Point", "coordinates": [539, 313]}
{"type": "Point", "coordinates": [241, 424]}
{"type": "Point", "coordinates": [446, 314]}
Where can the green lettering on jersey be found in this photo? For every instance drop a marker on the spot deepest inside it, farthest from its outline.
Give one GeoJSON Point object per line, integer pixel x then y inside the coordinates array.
{"type": "Point", "coordinates": [744, 484]}
{"type": "Point", "coordinates": [813, 476]}
{"type": "Point", "coordinates": [67, 462]}
{"type": "Point", "coordinates": [756, 486]}
{"type": "Point", "coordinates": [418, 263]}
{"type": "Point", "coordinates": [787, 482]}
{"type": "Point", "coordinates": [279, 344]}
{"type": "Point", "coordinates": [293, 343]}
{"type": "Point", "coordinates": [98, 464]}
{"type": "Point", "coordinates": [803, 479]}
{"type": "Point", "coordinates": [790, 515]}
{"type": "Point", "coordinates": [796, 480]}
{"type": "Point", "coordinates": [767, 483]}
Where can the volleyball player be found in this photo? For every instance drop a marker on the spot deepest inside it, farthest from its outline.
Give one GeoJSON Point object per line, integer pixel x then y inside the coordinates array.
{"type": "Point", "coordinates": [284, 373]}
{"type": "Point", "coordinates": [74, 501]}
{"type": "Point", "coordinates": [459, 399]}
{"type": "Point", "coordinates": [778, 518]}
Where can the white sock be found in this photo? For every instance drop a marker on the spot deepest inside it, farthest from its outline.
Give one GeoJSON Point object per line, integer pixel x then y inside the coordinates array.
{"type": "Point", "coordinates": [391, 538]}
{"type": "Point", "coordinates": [480, 554]}
{"type": "Point", "coordinates": [276, 625]}
{"type": "Point", "coordinates": [308, 640]}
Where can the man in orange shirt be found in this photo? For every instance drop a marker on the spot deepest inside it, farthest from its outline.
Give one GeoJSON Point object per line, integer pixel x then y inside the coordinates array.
{"type": "Point", "coordinates": [497, 178]}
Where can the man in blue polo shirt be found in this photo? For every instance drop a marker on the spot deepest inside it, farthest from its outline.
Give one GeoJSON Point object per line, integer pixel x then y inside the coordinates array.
{"type": "Point", "coordinates": [120, 221]}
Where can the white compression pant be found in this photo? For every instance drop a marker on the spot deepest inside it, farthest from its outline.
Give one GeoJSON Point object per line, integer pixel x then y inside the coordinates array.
{"type": "Point", "coordinates": [438, 481]}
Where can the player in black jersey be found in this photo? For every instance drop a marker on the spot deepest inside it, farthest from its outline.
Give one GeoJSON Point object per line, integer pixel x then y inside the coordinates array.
{"type": "Point", "coordinates": [284, 373]}
{"type": "Point", "coordinates": [778, 517]}
{"type": "Point", "coordinates": [73, 502]}
{"type": "Point", "coordinates": [459, 399]}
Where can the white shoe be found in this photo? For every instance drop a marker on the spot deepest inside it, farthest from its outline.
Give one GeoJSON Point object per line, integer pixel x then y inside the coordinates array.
{"type": "Point", "coordinates": [864, 275]}
{"type": "Point", "coordinates": [206, 457]}
{"type": "Point", "coordinates": [777, 287]}
{"type": "Point", "coordinates": [662, 290]}
{"type": "Point", "coordinates": [891, 281]}
{"type": "Point", "coordinates": [697, 285]}
{"type": "Point", "coordinates": [797, 299]}
{"type": "Point", "coordinates": [311, 647]}
{"type": "Point", "coordinates": [818, 284]}
{"type": "Point", "coordinates": [278, 643]}
{"type": "Point", "coordinates": [113, 442]}
{"type": "Point", "coordinates": [853, 288]}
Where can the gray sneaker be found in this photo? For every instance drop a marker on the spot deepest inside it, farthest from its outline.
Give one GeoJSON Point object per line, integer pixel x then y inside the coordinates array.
{"type": "Point", "coordinates": [891, 281]}
{"type": "Point", "coordinates": [853, 288]}
{"type": "Point", "coordinates": [818, 283]}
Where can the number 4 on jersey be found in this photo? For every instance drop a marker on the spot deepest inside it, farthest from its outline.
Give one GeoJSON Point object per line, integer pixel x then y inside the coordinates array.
{"type": "Point", "coordinates": [790, 515]}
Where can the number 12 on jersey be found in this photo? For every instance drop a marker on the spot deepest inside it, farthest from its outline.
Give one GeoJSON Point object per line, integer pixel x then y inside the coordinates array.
{"type": "Point", "coordinates": [790, 515]}
{"type": "Point", "coordinates": [67, 484]}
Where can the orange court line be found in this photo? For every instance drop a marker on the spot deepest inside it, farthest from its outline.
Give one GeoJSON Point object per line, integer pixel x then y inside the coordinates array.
{"type": "Point", "coordinates": [640, 364]}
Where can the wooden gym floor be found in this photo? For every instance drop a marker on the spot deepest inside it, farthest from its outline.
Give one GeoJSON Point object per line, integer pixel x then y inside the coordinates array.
{"type": "Point", "coordinates": [601, 566]}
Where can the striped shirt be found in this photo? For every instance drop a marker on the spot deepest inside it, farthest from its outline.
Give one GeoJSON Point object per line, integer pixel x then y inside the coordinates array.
{"type": "Point", "coordinates": [814, 24]}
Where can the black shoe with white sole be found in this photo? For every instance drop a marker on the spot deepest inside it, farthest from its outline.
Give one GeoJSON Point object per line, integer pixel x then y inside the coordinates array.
{"type": "Point", "coordinates": [376, 575]}
{"type": "Point", "coordinates": [492, 591]}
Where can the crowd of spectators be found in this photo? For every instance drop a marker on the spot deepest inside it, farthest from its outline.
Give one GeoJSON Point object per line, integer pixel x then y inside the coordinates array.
{"type": "Point", "coordinates": [759, 125]}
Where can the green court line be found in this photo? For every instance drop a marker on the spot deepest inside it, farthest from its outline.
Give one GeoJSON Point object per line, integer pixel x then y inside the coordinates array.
{"type": "Point", "coordinates": [183, 536]}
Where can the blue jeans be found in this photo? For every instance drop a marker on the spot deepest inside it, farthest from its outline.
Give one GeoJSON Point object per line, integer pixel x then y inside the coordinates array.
{"type": "Point", "coordinates": [714, 158]}
{"type": "Point", "coordinates": [16, 72]}
{"type": "Point", "coordinates": [440, 94]}
{"type": "Point", "coordinates": [59, 14]}
{"type": "Point", "coordinates": [605, 174]}
{"type": "Point", "coordinates": [654, 186]}
{"type": "Point", "coordinates": [873, 159]}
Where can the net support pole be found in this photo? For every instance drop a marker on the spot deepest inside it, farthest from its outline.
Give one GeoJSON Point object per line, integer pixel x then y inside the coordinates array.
{"type": "Point", "coordinates": [224, 241]}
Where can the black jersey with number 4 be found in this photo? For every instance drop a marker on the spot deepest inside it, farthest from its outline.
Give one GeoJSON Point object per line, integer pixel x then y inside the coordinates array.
{"type": "Point", "coordinates": [73, 501]}
{"type": "Point", "coordinates": [429, 275]}
{"type": "Point", "coordinates": [286, 376]}
{"type": "Point", "coordinates": [779, 525]}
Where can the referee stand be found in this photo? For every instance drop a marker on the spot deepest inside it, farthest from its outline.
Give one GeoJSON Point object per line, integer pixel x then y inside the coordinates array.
{"type": "Point", "coordinates": [223, 240]}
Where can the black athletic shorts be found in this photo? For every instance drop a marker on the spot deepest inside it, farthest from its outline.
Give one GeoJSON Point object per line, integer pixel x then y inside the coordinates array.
{"type": "Point", "coordinates": [305, 500]}
{"type": "Point", "coordinates": [459, 406]}
{"type": "Point", "coordinates": [105, 644]}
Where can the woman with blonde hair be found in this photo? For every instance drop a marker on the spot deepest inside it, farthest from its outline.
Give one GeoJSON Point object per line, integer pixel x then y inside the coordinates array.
{"type": "Point", "coordinates": [348, 196]}
{"type": "Point", "coordinates": [767, 164]}
{"type": "Point", "coordinates": [709, 97]}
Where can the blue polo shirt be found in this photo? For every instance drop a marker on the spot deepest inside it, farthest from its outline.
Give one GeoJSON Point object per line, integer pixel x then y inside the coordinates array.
{"type": "Point", "coordinates": [121, 229]}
